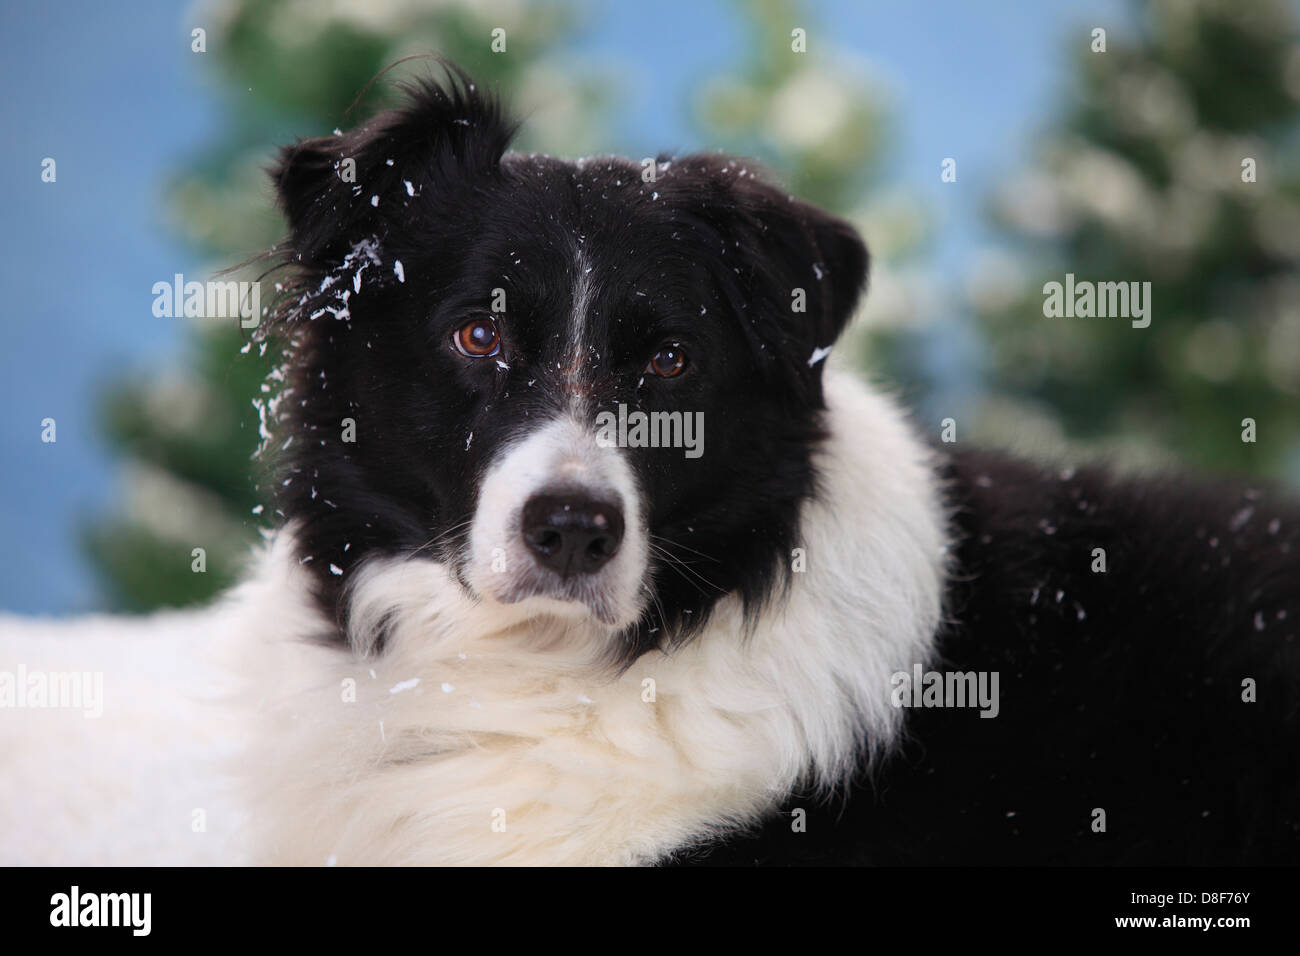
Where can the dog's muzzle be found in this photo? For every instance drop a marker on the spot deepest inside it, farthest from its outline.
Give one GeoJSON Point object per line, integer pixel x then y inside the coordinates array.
{"type": "Point", "coordinates": [560, 523]}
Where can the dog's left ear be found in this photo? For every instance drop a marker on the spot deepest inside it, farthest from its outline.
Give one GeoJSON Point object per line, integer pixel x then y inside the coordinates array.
{"type": "Point", "coordinates": [813, 265]}
{"type": "Point", "coordinates": [845, 262]}
{"type": "Point", "coordinates": [796, 272]}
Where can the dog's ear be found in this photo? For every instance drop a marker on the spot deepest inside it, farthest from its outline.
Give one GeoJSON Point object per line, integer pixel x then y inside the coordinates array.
{"type": "Point", "coordinates": [810, 264]}
{"type": "Point", "coordinates": [798, 271]}
{"type": "Point", "coordinates": [331, 187]}
{"type": "Point", "coordinates": [844, 264]}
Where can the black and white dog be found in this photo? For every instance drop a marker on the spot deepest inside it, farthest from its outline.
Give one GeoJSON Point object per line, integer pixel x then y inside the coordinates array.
{"type": "Point", "coordinates": [587, 558]}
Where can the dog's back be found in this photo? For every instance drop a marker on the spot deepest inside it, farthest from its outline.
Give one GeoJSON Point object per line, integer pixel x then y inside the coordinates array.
{"type": "Point", "coordinates": [1146, 638]}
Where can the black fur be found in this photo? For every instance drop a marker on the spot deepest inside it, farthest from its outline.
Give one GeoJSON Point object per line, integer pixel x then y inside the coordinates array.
{"type": "Point", "coordinates": [706, 254]}
{"type": "Point", "coordinates": [1120, 690]}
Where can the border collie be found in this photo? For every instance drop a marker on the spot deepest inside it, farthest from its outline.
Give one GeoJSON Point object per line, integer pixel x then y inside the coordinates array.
{"type": "Point", "coordinates": [586, 557]}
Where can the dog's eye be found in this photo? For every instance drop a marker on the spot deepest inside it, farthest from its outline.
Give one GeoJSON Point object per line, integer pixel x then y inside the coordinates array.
{"type": "Point", "coordinates": [478, 339]}
{"type": "Point", "coordinates": [667, 362]}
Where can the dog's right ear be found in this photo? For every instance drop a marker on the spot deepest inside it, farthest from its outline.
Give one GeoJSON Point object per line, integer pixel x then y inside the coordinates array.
{"type": "Point", "coordinates": [331, 187]}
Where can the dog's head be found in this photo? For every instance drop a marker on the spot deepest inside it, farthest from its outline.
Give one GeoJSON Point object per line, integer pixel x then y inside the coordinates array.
{"type": "Point", "coordinates": [591, 389]}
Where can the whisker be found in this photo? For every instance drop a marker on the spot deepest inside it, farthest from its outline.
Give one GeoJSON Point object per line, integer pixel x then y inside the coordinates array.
{"type": "Point", "coordinates": [658, 605]}
{"type": "Point", "coordinates": [682, 568]}
{"type": "Point", "coordinates": [439, 538]}
{"type": "Point", "coordinates": [678, 544]}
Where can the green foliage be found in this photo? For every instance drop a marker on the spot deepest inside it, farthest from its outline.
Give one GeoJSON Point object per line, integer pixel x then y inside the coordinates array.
{"type": "Point", "coordinates": [810, 116]}
{"type": "Point", "coordinates": [190, 483]}
{"type": "Point", "coordinates": [1141, 180]}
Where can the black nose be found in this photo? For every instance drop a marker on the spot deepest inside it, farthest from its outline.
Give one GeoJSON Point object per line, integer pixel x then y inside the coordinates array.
{"type": "Point", "coordinates": [572, 533]}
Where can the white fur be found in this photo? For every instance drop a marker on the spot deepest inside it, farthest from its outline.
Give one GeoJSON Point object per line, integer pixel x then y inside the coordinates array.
{"type": "Point", "coordinates": [563, 453]}
{"type": "Point", "coordinates": [583, 290]}
{"type": "Point", "coordinates": [481, 713]}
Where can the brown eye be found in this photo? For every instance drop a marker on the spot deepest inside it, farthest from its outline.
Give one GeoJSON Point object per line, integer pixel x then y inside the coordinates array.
{"type": "Point", "coordinates": [667, 362]}
{"type": "Point", "coordinates": [478, 339]}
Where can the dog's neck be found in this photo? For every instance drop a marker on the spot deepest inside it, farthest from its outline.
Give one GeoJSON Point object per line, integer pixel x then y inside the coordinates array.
{"type": "Point", "coordinates": [481, 736]}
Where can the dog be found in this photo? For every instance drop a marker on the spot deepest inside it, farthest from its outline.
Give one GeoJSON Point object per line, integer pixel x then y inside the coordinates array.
{"type": "Point", "coordinates": [584, 556]}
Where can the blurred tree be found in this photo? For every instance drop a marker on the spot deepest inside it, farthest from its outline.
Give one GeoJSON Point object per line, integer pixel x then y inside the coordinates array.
{"type": "Point", "coordinates": [1145, 176]}
{"type": "Point", "coordinates": [285, 66]}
